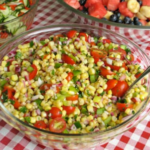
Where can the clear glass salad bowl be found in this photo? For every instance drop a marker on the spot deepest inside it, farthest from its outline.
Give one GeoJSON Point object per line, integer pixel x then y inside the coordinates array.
{"type": "Point", "coordinates": [75, 141]}
{"type": "Point", "coordinates": [21, 23]}
{"type": "Point", "coordinates": [138, 34]}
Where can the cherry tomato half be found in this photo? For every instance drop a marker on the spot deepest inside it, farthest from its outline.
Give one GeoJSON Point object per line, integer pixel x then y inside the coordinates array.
{"type": "Point", "coordinates": [70, 76]}
{"type": "Point", "coordinates": [69, 109]}
{"type": "Point", "coordinates": [106, 41]}
{"type": "Point", "coordinates": [17, 104]}
{"type": "Point", "coordinates": [40, 124]}
{"type": "Point", "coordinates": [120, 89]}
{"type": "Point", "coordinates": [55, 112]}
{"type": "Point", "coordinates": [111, 84]}
{"type": "Point", "coordinates": [131, 57]}
{"type": "Point", "coordinates": [67, 59]}
{"type": "Point", "coordinates": [72, 98]}
{"type": "Point", "coordinates": [2, 6]}
{"type": "Point", "coordinates": [33, 73]}
{"type": "Point", "coordinates": [10, 91]}
{"type": "Point", "coordinates": [83, 34]}
{"type": "Point", "coordinates": [71, 33]}
{"type": "Point", "coordinates": [120, 51]}
{"type": "Point", "coordinates": [56, 37]}
{"type": "Point", "coordinates": [104, 71]}
{"type": "Point", "coordinates": [61, 125]}
{"type": "Point", "coordinates": [124, 106]}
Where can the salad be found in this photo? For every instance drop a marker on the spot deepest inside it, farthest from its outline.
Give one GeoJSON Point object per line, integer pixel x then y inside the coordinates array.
{"type": "Point", "coordinates": [9, 10]}
{"type": "Point", "coordinates": [71, 83]}
{"type": "Point", "coordinates": [133, 12]}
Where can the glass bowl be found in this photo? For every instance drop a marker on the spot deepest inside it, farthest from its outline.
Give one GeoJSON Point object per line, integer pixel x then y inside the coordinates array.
{"type": "Point", "coordinates": [74, 141]}
{"type": "Point", "coordinates": [138, 34]}
{"type": "Point", "coordinates": [22, 22]}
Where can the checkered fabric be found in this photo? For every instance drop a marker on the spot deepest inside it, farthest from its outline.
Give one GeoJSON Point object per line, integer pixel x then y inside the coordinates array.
{"type": "Point", "coordinates": [138, 138]}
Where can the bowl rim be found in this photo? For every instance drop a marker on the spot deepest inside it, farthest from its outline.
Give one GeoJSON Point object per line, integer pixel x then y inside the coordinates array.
{"type": "Point", "coordinates": [79, 26]}
{"type": "Point", "coordinates": [80, 13]}
{"type": "Point", "coordinates": [10, 21]}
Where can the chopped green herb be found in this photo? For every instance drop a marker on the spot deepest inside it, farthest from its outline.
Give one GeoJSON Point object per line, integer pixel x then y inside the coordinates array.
{"type": "Point", "coordinates": [51, 38]}
{"type": "Point", "coordinates": [31, 44]}
{"type": "Point", "coordinates": [77, 124]}
{"type": "Point", "coordinates": [102, 93]}
{"type": "Point", "coordinates": [66, 131]}
{"type": "Point", "coordinates": [8, 63]}
{"type": "Point", "coordinates": [11, 101]}
{"type": "Point", "coordinates": [84, 109]}
{"type": "Point", "coordinates": [2, 83]}
{"type": "Point", "coordinates": [18, 55]}
{"type": "Point", "coordinates": [92, 129]}
{"type": "Point", "coordinates": [80, 94]}
{"type": "Point", "coordinates": [4, 97]}
{"type": "Point", "coordinates": [128, 50]}
{"type": "Point", "coordinates": [75, 79]}
{"type": "Point", "coordinates": [70, 66]}
{"type": "Point", "coordinates": [23, 109]}
{"type": "Point", "coordinates": [110, 46]}
{"type": "Point", "coordinates": [43, 42]}
{"type": "Point", "coordinates": [27, 119]}
{"type": "Point", "coordinates": [62, 39]}
{"type": "Point", "coordinates": [99, 44]}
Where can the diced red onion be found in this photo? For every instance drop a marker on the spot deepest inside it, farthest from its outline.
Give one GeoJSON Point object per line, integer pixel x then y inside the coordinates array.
{"type": "Point", "coordinates": [137, 99]}
{"type": "Point", "coordinates": [9, 60]}
{"type": "Point", "coordinates": [55, 49]}
{"type": "Point", "coordinates": [59, 85]}
{"type": "Point", "coordinates": [114, 99]}
{"type": "Point", "coordinates": [77, 39]}
{"type": "Point", "coordinates": [38, 111]}
{"type": "Point", "coordinates": [12, 54]}
{"type": "Point", "coordinates": [26, 95]}
{"type": "Point", "coordinates": [123, 77]}
{"type": "Point", "coordinates": [17, 68]}
{"type": "Point", "coordinates": [73, 127]}
{"type": "Point", "coordinates": [96, 129]}
{"type": "Point", "coordinates": [78, 82]}
{"type": "Point", "coordinates": [89, 39]}
{"type": "Point", "coordinates": [59, 43]}
{"type": "Point", "coordinates": [27, 78]}
{"type": "Point", "coordinates": [109, 61]}
{"type": "Point", "coordinates": [40, 82]}
{"type": "Point", "coordinates": [35, 41]}
{"type": "Point", "coordinates": [24, 83]}
{"type": "Point", "coordinates": [112, 114]}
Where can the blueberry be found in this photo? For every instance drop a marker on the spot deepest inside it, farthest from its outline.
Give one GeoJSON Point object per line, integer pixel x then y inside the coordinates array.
{"type": "Point", "coordinates": [131, 22]}
{"type": "Point", "coordinates": [126, 20]}
{"type": "Point", "coordinates": [140, 2]}
{"type": "Point", "coordinates": [113, 18]}
{"type": "Point", "coordinates": [119, 21]}
{"type": "Point", "coordinates": [122, 0]}
{"type": "Point", "coordinates": [139, 23]}
{"type": "Point", "coordinates": [117, 14]}
{"type": "Point", "coordinates": [136, 20]}
{"type": "Point", "coordinates": [82, 2]}
{"type": "Point", "coordinates": [85, 10]}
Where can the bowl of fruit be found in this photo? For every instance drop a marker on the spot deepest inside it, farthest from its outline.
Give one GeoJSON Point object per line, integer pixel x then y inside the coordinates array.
{"type": "Point", "coordinates": [16, 16]}
{"type": "Point", "coordinates": [63, 85]}
{"type": "Point", "coordinates": [129, 18]}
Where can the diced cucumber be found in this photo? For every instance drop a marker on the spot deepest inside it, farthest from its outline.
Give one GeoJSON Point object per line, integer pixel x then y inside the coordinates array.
{"type": "Point", "coordinates": [107, 120]}
{"type": "Point", "coordinates": [20, 30]}
{"type": "Point", "coordinates": [6, 12]}
{"type": "Point", "coordinates": [19, 7]}
{"type": "Point", "coordinates": [9, 18]}
{"type": "Point", "coordinates": [1, 17]}
{"type": "Point", "coordinates": [24, 10]}
{"type": "Point", "coordinates": [26, 3]}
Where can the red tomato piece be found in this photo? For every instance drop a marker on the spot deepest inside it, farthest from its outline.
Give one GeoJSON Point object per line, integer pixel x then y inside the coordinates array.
{"type": "Point", "coordinates": [124, 10]}
{"type": "Point", "coordinates": [67, 59]}
{"type": "Point", "coordinates": [111, 84]}
{"type": "Point", "coordinates": [120, 89]}
{"type": "Point", "coordinates": [40, 124]}
{"type": "Point", "coordinates": [58, 129]}
{"type": "Point", "coordinates": [83, 34]}
{"type": "Point", "coordinates": [55, 112]}
{"type": "Point", "coordinates": [135, 100]}
{"type": "Point", "coordinates": [2, 6]}
{"type": "Point", "coordinates": [72, 98]}
{"type": "Point", "coordinates": [4, 35]}
{"type": "Point", "coordinates": [97, 10]}
{"type": "Point", "coordinates": [33, 73]}
{"type": "Point", "coordinates": [131, 57]}
{"type": "Point", "coordinates": [10, 91]}
{"type": "Point", "coordinates": [17, 104]}
{"type": "Point", "coordinates": [20, 14]}
{"type": "Point", "coordinates": [69, 77]}
{"type": "Point", "coordinates": [73, 3]}
{"type": "Point", "coordinates": [104, 71]}
{"type": "Point", "coordinates": [31, 2]}
{"type": "Point", "coordinates": [69, 109]}
{"type": "Point", "coordinates": [71, 33]}
{"type": "Point", "coordinates": [124, 106]}
{"type": "Point", "coordinates": [98, 53]}
{"type": "Point", "coordinates": [13, 7]}
{"type": "Point", "coordinates": [113, 4]}
{"type": "Point", "coordinates": [106, 41]}
{"type": "Point", "coordinates": [143, 81]}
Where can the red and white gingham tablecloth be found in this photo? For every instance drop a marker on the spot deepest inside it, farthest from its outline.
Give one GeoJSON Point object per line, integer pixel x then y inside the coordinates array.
{"type": "Point", "coordinates": [138, 138]}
